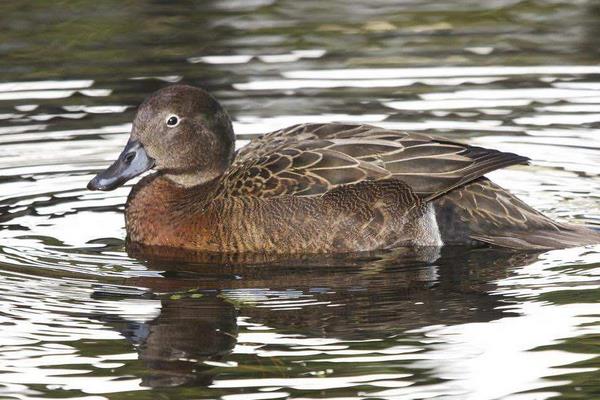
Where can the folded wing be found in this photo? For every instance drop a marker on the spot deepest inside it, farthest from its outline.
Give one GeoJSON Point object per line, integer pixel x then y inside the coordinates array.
{"type": "Point", "coordinates": [311, 159]}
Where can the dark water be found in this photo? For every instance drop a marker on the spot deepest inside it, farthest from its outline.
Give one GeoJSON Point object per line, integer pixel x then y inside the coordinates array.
{"type": "Point", "coordinates": [80, 318]}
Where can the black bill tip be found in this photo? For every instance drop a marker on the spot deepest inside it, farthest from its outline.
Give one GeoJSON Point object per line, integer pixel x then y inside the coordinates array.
{"type": "Point", "coordinates": [101, 183]}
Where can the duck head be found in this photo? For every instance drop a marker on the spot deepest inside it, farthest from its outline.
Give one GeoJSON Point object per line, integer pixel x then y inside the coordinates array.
{"type": "Point", "coordinates": [180, 131]}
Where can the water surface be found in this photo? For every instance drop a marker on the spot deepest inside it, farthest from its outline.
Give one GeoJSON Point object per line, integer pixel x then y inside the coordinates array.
{"type": "Point", "coordinates": [82, 318]}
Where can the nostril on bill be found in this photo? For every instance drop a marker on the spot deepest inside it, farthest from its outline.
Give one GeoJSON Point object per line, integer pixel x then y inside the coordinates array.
{"type": "Point", "coordinates": [129, 157]}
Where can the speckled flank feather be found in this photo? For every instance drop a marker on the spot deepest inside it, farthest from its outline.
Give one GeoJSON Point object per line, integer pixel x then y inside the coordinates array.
{"type": "Point", "coordinates": [360, 217]}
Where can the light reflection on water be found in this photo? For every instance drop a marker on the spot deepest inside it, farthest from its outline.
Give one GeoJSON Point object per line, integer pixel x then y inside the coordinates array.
{"type": "Point", "coordinates": [81, 318]}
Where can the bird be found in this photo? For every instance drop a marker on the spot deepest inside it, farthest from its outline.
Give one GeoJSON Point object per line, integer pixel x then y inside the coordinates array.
{"type": "Point", "coordinates": [314, 188]}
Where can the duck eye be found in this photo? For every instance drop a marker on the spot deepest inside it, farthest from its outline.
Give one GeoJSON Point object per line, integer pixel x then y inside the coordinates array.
{"type": "Point", "coordinates": [172, 120]}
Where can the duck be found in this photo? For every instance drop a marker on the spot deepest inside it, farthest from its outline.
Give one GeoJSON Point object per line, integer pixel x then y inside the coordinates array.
{"type": "Point", "coordinates": [314, 188]}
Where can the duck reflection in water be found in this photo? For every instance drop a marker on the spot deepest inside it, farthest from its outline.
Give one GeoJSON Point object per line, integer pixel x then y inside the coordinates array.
{"type": "Point", "coordinates": [174, 345]}
{"type": "Point", "coordinates": [365, 296]}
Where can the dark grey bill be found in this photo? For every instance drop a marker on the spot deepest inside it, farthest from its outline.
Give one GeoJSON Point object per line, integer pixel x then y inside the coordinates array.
{"type": "Point", "coordinates": [132, 162]}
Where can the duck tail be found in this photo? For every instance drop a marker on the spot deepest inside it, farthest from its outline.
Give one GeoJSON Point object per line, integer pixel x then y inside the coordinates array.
{"type": "Point", "coordinates": [565, 235]}
{"type": "Point", "coordinates": [485, 212]}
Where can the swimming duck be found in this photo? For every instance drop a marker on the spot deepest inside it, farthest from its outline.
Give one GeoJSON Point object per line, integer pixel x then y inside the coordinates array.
{"type": "Point", "coordinates": [313, 188]}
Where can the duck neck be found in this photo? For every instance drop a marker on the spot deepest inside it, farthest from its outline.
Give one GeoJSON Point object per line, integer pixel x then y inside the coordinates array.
{"type": "Point", "coordinates": [193, 179]}
{"type": "Point", "coordinates": [192, 192]}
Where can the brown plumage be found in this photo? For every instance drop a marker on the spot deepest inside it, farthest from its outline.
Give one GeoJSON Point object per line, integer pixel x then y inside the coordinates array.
{"type": "Point", "coordinates": [314, 188]}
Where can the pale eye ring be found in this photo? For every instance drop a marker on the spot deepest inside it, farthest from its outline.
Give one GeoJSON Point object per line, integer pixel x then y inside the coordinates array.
{"type": "Point", "coordinates": [172, 120]}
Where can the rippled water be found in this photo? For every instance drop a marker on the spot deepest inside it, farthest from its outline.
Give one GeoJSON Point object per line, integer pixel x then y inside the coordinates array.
{"type": "Point", "coordinates": [80, 318]}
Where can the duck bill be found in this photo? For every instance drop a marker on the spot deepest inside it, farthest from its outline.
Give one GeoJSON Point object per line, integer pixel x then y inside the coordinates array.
{"type": "Point", "coordinates": [132, 162]}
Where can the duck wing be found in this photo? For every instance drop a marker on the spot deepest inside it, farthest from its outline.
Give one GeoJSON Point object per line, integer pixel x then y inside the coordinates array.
{"type": "Point", "coordinates": [312, 159]}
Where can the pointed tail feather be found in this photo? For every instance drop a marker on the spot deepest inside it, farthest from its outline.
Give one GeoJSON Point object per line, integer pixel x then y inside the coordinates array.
{"type": "Point", "coordinates": [567, 235]}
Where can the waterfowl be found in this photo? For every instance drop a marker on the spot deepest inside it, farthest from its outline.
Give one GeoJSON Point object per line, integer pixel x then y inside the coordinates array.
{"type": "Point", "coordinates": [313, 188]}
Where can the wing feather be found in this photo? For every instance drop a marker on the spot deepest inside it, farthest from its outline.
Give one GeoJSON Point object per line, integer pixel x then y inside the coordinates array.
{"type": "Point", "coordinates": [312, 159]}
